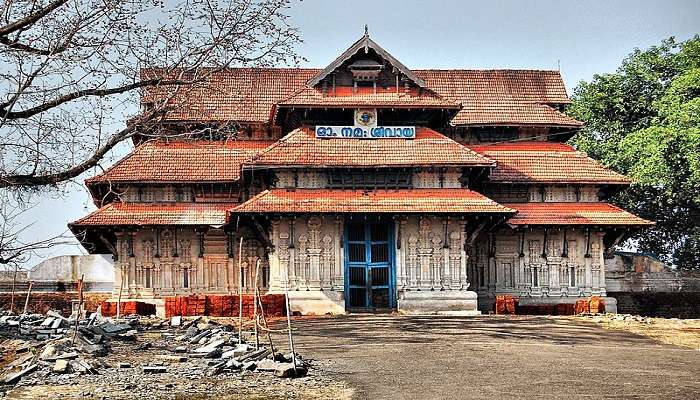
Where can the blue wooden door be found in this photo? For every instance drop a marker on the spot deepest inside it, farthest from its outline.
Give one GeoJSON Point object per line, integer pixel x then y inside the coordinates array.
{"type": "Point", "coordinates": [369, 275]}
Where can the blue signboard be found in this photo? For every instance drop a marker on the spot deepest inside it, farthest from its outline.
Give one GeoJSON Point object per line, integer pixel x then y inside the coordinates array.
{"type": "Point", "coordinates": [359, 132]}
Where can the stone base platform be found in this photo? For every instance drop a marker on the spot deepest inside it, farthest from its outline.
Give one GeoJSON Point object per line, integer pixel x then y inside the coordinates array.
{"type": "Point", "coordinates": [316, 302]}
{"type": "Point", "coordinates": [445, 302]}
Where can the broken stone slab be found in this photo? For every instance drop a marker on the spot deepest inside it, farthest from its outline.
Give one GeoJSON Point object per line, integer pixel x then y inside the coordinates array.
{"type": "Point", "coordinates": [167, 357]}
{"type": "Point", "coordinates": [233, 364]}
{"type": "Point", "coordinates": [111, 329]}
{"type": "Point", "coordinates": [176, 321]}
{"type": "Point", "coordinates": [180, 349]}
{"type": "Point", "coordinates": [154, 369]}
{"type": "Point", "coordinates": [249, 366]}
{"type": "Point", "coordinates": [267, 365]}
{"type": "Point", "coordinates": [211, 346]}
{"type": "Point", "coordinates": [287, 370]}
{"type": "Point", "coordinates": [255, 355]}
{"type": "Point", "coordinates": [60, 367]}
{"type": "Point", "coordinates": [14, 378]}
{"type": "Point", "coordinates": [49, 352]}
{"type": "Point", "coordinates": [239, 350]}
{"type": "Point", "coordinates": [47, 322]}
{"type": "Point", "coordinates": [196, 338]}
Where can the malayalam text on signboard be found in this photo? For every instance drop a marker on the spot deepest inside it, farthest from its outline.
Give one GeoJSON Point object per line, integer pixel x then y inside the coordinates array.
{"type": "Point", "coordinates": [358, 132]}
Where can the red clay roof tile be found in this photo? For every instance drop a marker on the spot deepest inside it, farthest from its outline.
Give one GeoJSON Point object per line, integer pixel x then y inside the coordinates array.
{"type": "Point", "coordinates": [302, 148]}
{"type": "Point", "coordinates": [458, 201]}
{"type": "Point", "coordinates": [182, 161]}
{"type": "Point", "coordinates": [545, 162]}
{"type": "Point", "coordinates": [313, 98]}
{"type": "Point", "coordinates": [157, 214]}
{"type": "Point", "coordinates": [488, 97]}
{"type": "Point", "coordinates": [601, 214]}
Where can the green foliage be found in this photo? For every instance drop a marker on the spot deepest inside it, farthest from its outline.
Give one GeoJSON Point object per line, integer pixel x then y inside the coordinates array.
{"type": "Point", "coordinates": [644, 121]}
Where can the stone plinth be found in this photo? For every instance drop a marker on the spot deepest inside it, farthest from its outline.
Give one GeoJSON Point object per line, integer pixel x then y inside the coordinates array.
{"type": "Point", "coordinates": [456, 302]}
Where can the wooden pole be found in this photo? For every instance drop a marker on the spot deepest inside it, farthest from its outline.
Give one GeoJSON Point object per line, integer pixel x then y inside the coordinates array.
{"type": "Point", "coordinates": [255, 304]}
{"type": "Point", "coordinates": [80, 305]}
{"type": "Point", "coordinates": [289, 319]}
{"type": "Point", "coordinates": [26, 302]}
{"type": "Point", "coordinates": [267, 328]}
{"type": "Point", "coordinates": [12, 297]}
{"type": "Point", "coordinates": [262, 315]}
{"type": "Point", "coordinates": [240, 293]}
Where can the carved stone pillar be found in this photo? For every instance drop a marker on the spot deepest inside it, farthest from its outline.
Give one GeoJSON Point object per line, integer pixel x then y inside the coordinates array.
{"type": "Point", "coordinates": [338, 267]}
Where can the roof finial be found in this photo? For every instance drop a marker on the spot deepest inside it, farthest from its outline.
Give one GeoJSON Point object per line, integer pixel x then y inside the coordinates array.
{"type": "Point", "coordinates": [366, 30]}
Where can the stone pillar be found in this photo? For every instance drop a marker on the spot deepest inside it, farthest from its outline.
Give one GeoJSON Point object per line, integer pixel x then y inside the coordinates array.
{"type": "Point", "coordinates": [338, 266]}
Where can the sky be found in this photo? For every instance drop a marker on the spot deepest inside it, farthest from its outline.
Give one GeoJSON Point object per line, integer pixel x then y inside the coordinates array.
{"type": "Point", "coordinates": [580, 38]}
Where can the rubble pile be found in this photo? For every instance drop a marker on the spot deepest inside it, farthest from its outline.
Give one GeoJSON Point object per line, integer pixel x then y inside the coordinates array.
{"type": "Point", "coordinates": [54, 348]}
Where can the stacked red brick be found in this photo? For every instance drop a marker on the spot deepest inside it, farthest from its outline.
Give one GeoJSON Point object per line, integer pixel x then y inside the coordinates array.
{"type": "Point", "coordinates": [223, 305]}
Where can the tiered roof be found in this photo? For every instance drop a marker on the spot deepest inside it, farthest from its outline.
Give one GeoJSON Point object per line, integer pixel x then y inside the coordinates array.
{"type": "Point", "coordinates": [599, 214]}
{"type": "Point", "coordinates": [301, 148]}
{"type": "Point", "coordinates": [411, 201]}
{"type": "Point", "coordinates": [142, 214]}
{"type": "Point", "coordinates": [488, 97]}
{"type": "Point", "coordinates": [545, 162]}
{"type": "Point", "coordinates": [182, 161]}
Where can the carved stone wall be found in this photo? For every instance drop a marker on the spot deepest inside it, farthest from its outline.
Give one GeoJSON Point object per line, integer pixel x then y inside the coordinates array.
{"type": "Point", "coordinates": [430, 254]}
{"type": "Point", "coordinates": [307, 253]}
{"type": "Point", "coordinates": [153, 263]}
{"type": "Point", "coordinates": [558, 263]}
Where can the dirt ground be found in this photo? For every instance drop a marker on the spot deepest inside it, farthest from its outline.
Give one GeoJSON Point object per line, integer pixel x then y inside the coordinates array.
{"type": "Point", "coordinates": [491, 357]}
{"type": "Point", "coordinates": [680, 332]}
{"type": "Point", "coordinates": [187, 380]}
{"type": "Point", "coordinates": [401, 357]}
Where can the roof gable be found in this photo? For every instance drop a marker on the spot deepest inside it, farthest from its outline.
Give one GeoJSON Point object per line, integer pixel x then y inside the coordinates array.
{"type": "Point", "coordinates": [364, 44]}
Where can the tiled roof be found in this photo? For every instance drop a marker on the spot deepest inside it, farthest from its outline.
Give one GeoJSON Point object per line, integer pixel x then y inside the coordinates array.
{"type": "Point", "coordinates": [237, 94]}
{"type": "Point", "coordinates": [502, 97]}
{"type": "Point", "coordinates": [302, 148]}
{"type": "Point", "coordinates": [545, 162]}
{"type": "Point", "coordinates": [183, 161]}
{"type": "Point", "coordinates": [379, 201]}
{"type": "Point", "coordinates": [572, 214]}
{"type": "Point", "coordinates": [510, 97]}
{"type": "Point", "coordinates": [365, 97]}
{"type": "Point", "coordinates": [157, 214]}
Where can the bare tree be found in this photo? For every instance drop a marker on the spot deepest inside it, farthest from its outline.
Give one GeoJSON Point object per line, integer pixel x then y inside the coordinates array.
{"type": "Point", "coordinates": [71, 75]}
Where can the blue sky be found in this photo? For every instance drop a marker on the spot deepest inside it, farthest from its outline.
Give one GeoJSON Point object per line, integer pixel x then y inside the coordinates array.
{"type": "Point", "coordinates": [582, 38]}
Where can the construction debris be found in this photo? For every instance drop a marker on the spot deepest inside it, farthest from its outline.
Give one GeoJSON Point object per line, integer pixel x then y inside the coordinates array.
{"type": "Point", "coordinates": [41, 346]}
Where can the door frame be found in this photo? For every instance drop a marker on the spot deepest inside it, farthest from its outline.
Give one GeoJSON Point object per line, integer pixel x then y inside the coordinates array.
{"type": "Point", "coordinates": [365, 221]}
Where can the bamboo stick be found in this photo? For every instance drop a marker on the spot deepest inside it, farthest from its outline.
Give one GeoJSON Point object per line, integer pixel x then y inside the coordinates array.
{"type": "Point", "coordinates": [80, 306]}
{"type": "Point", "coordinates": [119, 298]}
{"type": "Point", "coordinates": [289, 319]}
{"type": "Point", "coordinates": [255, 304]}
{"type": "Point", "coordinates": [240, 293]}
{"type": "Point", "coordinates": [26, 302]}
{"type": "Point", "coordinates": [262, 314]}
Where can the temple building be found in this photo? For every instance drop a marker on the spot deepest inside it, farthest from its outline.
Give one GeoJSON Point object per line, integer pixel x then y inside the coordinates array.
{"type": "Point", "coordinates": [362, 186]}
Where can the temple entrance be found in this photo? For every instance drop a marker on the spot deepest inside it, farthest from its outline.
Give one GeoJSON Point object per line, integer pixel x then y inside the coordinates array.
{"type": "Point", "coordinates": [369, 269]}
